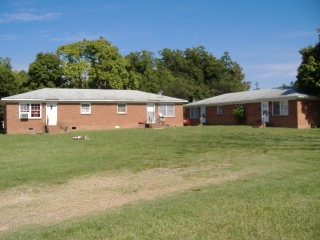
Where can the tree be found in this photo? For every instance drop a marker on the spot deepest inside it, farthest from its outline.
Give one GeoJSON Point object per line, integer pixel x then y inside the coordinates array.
{"type": "Point", "coordinates": [45, 71]}
{"type": "Point", "coordinates": [186, 71]}
{"type": "Point", "coordinates": [308, 78]}
{"type": "Point", "coordinates": [74, 65]}
{"type": "Point", "coordinates": [8, 85]}
{"type": "Point", "coordinates": [231, 79]}
{"type": "Point", "coordinates": [204, 74]}
{"type": "Point", "coordinates": [143, 65]}
{"type": "Point", "coordinates": [96, 64]}
{"type": "Point", "coordinates": [6, 62]}
{"type": "Point", "coordinates": [22, 80]}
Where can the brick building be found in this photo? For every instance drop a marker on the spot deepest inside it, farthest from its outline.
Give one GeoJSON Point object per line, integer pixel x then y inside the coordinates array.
{"type": "Point", "coordinates": [62, 110]}
{"type": "Point", "coordinates": [279, 107]}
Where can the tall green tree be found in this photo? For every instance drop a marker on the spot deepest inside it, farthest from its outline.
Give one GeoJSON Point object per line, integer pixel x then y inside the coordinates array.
{"type": "Point", "coordinates": [74, 64]}
{"type": "Point", "coordinates": [22, 80]}
{"type": "Point", "coordinates": [96, 64]}
{"type": "Point", "coordinates": [143, 64]}
{"type": "Point", "coordinates": [186, 78]}
{"type": "Point", "coordinates": [308, 78]}
{"type": "Point", "coordinates": [231, 78]}
{"type": "Point", "coordinates": [8, 84]}
{"type": "Point", "coordinates": [204, 74]}
{"type": "Point", "coordinates": [6, 62]}
{"type": "Point", "coordinates": [45, 71]}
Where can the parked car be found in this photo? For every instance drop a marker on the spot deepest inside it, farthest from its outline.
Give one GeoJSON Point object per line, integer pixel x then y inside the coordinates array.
{"type": "Point", "coordinates": [186, 121]}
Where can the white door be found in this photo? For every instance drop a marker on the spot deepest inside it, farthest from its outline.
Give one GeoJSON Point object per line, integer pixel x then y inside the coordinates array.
{"type": "Point", "coordinates": [264, 112]}
{"type": "Point", "coordinates": [151, 116]}
{"type": "Point", "coordinates": [203, 115]}
{"type": "Point", "coordinates": [51, 110]}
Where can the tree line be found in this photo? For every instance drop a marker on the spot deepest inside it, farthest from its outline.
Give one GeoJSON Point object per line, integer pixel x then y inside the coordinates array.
{"type": "Point", "coordinates": [193, 73]}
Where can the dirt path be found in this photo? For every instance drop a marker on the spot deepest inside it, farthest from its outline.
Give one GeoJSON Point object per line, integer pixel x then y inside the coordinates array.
{"type": "Point", "coordinates": [95, 193]}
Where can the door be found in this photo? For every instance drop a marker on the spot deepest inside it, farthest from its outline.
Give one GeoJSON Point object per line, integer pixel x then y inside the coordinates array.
{"type": "Point", "coordinates": [202, 115]}
{"type": "Point", "coordinates": [151, 118]}
{"type": "Point", "coordinates": [51, 110]}
{"type": "Point", "coordinates": [264, 112]}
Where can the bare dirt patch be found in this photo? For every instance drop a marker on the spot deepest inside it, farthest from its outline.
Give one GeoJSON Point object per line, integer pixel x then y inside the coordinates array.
{"type": "Point", "coordinates": [23, 206]}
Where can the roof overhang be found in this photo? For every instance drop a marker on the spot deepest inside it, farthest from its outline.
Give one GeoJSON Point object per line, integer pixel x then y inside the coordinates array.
{"type": "Point", "coordinates": [91, 101]}
{"type": "Point", "coordinates": [195, 104]}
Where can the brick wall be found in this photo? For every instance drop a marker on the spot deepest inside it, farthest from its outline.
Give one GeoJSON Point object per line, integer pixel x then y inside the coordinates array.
{"type": "Point", "coordinates": [103, 116]}
{"type": "Point", "coordinates": [308, 113]}
{"type": "Point", "coordinates": [253, 113]}
{"type": "Point", "coordinates": [225, 118]}
{"type": "Point", "coordinates": [212, 118]}
{"type": "Point", "coordinates": [285, 121]}
{"type": "Point", "coordinates": [302, 114]}
{"type": "Point", "coordinates": [13, 124]}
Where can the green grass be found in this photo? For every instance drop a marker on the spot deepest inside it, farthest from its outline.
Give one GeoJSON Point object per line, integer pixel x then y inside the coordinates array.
{"type": "Point", "coordinates": [280, 199]}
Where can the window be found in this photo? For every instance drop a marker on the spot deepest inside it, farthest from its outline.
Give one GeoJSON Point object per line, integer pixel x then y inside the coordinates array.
{"type": "Point", "coordinates": [122, 109]}
{"type": "Point", "coordinates": [280, 108]}
{"type": "Point", "coordinates": [167, 110]}
{"type": "Point", "coordinates": [24, 107]}
{"type": "Point", "coordinates": [194, 113]}
{"type": "Point", "coordinates": [85, 108]}
{"type": "Point", "coordinates": [29, 110]}
{"type": "Point", "coordinates": [35, 110]}
{"type": "Point", "coordinates": [219, 110]}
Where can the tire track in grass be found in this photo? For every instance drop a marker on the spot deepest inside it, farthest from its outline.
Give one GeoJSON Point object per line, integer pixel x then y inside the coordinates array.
{"type": "Point", "coordinates": [89, 194]}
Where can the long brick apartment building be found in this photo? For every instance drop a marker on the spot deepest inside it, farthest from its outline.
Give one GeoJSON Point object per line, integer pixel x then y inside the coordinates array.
{"type": "Point", "coordinates": [56, 110]}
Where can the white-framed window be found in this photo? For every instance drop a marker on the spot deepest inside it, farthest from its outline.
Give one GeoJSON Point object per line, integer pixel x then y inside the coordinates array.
{"type": "Point", "coordinates": [194, 113]}
{"type": "Point", "coordinates": [219, 110]}
{"type": "Point", "coordinates": [167, 110]}
{"type": "Point", "coordinates": [30, 110]}
{"type": "Point", "coordinates": [280, 108]}
{"type": "Point", "coordinates": [85, 108]}
{"type": "Point", "coordinates": [122, 108]}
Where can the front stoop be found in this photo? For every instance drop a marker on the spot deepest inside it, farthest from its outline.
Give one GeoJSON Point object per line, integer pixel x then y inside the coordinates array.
{"type": "Point", "coordinates": [158, 125]}
{"type": "Point", "coordinates": [54, 129]}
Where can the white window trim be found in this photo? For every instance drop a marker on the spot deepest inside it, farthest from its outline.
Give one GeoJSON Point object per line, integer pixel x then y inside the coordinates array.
{"type": "Point", "coordinates": [83, 110]}
{"type": "Point", "coordinates": [219, 110]}
{"type": "Point", "coordinates": [125, 108]}
{"type": "Point", "coordinates": [163, 109]}
{"type": "Point", "coordinates": [283, 111]}
{"type": "Point", "coordinates": [27, 114]}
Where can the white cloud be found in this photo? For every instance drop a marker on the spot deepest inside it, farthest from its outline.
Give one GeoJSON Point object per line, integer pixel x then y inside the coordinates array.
{"type": "Point", "coordinates": [74, 37]}
{"type": "Point", "coordinates": [278, 70]}
{"type": "Point", "coordinates": [298, 34]}
{"type": "Point", "coordinates": [26, 17]}
{"type": "Point", "coordinates": [8, 37]}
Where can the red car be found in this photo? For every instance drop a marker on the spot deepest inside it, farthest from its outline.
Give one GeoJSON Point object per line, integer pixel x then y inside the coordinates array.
{"type": "Point", "coordinates": [186, 121]}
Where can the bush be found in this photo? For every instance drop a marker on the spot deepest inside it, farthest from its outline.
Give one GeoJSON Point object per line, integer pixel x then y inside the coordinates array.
{"type": "Point", "coordinates": [240, 113]}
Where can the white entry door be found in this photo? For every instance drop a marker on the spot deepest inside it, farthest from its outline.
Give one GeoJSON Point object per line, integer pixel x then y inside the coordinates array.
{"type": "Point", "coordinates": [202, 115]}
{"type": "Point", "coordinates": [151, 113]}
{"type": "Point", "coordinates": [264, 112]}
{"type": "Point", "coordinates": [51, 110]}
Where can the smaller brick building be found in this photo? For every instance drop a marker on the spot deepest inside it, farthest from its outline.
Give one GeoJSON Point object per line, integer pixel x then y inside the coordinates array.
{"type": "Point", "coordinates": [62, 110]}
{"type": "Point", "coordinates": [278, 107]}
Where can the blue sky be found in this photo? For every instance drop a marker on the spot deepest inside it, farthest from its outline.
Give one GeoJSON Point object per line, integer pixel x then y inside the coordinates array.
{"type": "Point", "coordinates": [264, 37]}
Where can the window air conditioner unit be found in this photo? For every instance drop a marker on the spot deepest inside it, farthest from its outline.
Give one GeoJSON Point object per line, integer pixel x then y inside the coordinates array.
{"type": "Point", "coordinates": [24, 116]}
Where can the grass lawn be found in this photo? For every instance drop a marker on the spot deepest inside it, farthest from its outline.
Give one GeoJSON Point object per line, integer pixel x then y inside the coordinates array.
{"type": "Point", "coordinates": [274, 191]}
